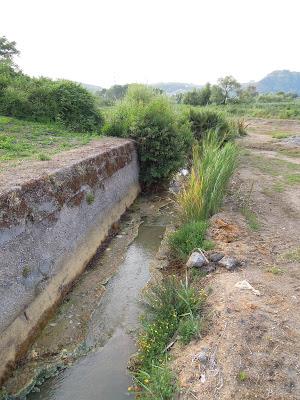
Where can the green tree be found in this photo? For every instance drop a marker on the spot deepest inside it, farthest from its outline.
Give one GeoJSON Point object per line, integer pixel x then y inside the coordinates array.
{"type": "Point", "coordinates": [7, 49]}
{"type": "Point", "coordinates": [248, 94]}
{"type": "Point", "coordinates": [216, 95]}
{"type": "Point", "coordinates": [229, 87]}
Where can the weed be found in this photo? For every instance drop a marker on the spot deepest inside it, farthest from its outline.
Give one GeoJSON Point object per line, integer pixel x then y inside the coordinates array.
{"type": "Point", "coordinates": [278, 187]}
{"type": "Point", "coordinates": [90, 198]}
{"type": "Point", "coordinates": [281, 135]}
{"type": "Point", "coordinates": [213, 166]}
{"type": "Point", "coordinates": [26, 271]}
{"type": "Point", "coordinates": [242, 376]}
{"type": "Point", "coordinates": [167, 304]}
{"type": "Point", "coordinates": [44, 157]}
{"type": "Point", "coordinates": [275, 270]}
{"type": "Point", "coordinates": [293, 255]}
{"type": "Point", "coordinates": [293, 179]}
{"type": "Point", "coordinates": [187, 238]}
{"type": "Point", "coordinates": [251, 218]}
{"type": "Point", "coordinates": [188, 328]}
{"type": "Point", "coordinates": [157, 383]}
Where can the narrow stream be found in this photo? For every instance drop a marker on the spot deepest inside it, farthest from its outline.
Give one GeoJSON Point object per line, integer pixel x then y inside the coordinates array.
{"type": "Point", "coordinates": [102, 374]}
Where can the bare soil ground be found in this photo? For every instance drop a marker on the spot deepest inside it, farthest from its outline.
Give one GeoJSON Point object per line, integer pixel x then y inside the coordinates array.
{"type": "Point", "coordinates": [253, 341]}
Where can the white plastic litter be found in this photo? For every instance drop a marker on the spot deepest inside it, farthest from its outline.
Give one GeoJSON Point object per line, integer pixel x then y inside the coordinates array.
{"type": "Point", "coordinates": [245, 285]}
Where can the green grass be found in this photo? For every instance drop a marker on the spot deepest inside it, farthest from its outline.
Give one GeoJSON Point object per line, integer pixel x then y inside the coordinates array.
{"type": "Point", "coordinates": [189, 237]}
{"type": "Point", "coordinates": [293, 255]}
{"type": "Point", "coordinates": [285, 173]}
{"type": "Point", "coordinates": [172, 306]}
{"type": "Point", "coordinates": [251, 218]}
{"type": "Point", "coordinates": [275, 270]}
{"type": "Point", "coordinates": [20, 139]}
{"type": "Point", "coordinates": [281, 135]}
{"type": "Point", "coordinates": [293, 179]}
{"type": "Point", "coordinates": [90, 198]}
{"type": "Point", "coordinates": [189, 327]}
{"type": "Point", "coordinates": [282, 110]}
{"type": "Point", "coordinates": [242, 376]}
{"type": "Point", "coordinates": [157, 383]}
{"type": "Point", "coordinates": [213, 166]}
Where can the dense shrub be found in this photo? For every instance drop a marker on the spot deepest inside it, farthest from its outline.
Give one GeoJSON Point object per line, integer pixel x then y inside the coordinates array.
{"type": "Point", "coordinates": [45, 100]}
{"type": "Point", "coordinates": [76, 107]}
{"type": "Point", "coordinates": [163, 139]}
{"type": "Point", "coordinates": [204, 120]}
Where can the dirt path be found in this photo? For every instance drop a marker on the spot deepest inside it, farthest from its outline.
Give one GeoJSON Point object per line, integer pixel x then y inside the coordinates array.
{"type": "Point", "coordinates": [253, 341]}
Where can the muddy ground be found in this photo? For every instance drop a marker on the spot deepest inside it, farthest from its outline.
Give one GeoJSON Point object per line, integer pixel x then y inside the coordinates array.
{"type": "Point", "coordinates": [253, 341]}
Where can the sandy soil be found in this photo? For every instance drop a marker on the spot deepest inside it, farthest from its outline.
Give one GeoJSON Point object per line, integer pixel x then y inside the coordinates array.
{"type": "Point", "coordinates": [253, 341]}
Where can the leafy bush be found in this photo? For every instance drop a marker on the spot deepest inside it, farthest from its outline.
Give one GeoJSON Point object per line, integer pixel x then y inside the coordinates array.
{"type": "Point", "coordinates": [188, 237]}
{"type": "Point", "coordinates": [45, 100]}
{"type": "Point", "coordinates": [76, 107]}
{"type": "Point", "coordinates": [213, 166]}
{"type": "Point", "coordinates": [204, 120]}
{"type": "Point", "coordinates": [163, 140]}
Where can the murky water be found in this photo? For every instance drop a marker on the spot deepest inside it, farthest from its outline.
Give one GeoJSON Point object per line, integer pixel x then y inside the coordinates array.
{"type": "Point", "coordinates": [102, 374]}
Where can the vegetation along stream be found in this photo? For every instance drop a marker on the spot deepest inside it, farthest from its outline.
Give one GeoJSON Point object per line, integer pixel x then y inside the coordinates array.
{"type": "Point", "coordinates": [102, 373]}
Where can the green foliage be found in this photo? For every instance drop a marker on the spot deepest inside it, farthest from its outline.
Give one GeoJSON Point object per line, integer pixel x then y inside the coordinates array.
{"type": "Point", "coordinates": [203, 120]}
{"type": "Point", "coordinates": [216, 96]}
{"type": "Point", "coordinates": [108, 97]}
{"type": "Point", "coordinates": [45, 100]}
{"type": "Point", "coordinates": [198, 97]}
{"type": "Point", "coordinates": [90, 198]}
{"type": "Point", "coordinates": [213, 166]}
{"type": "Point", "coordinates": [163, 139]}
{"type": "Point", "coordinates": [229, 88]}
{"type": "Point", "coordinates": [188, 329]}
{"type": "Point", "coordinates": [159, 383]}
{"type": "Point", "coordinates": [167, 302]}
{"type": "Point", "coordinates": [187, 238]}
{"type": "Point", "coordinates": [21, 139]}
{"type": "Point", "coordinates": [251, 218]}
{"type": "Point", "coordinates": [43, 157]}
{"type": "Point", "coordinates": [76, 107]}
{"type": "Point", "coordinates": [242, 376]}
{"type": "Point", "coordinates": [26, 271]}
{"type": "Point", "coordinates": [7, 49]}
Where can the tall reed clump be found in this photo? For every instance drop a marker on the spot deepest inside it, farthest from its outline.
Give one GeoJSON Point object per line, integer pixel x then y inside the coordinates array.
{"type": "Point", "coordinates": [213, 165]}
{"type": "Point", "coordinates": [173, 307]}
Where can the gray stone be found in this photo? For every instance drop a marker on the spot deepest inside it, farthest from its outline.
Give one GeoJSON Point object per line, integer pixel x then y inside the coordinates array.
{"type": "Point", "coordinates": [197, 259]}
{"type": "Point", "coordinates": [202, 356]}
{"type": "Point", "coordinates": [215, 257]}
{"type": "Point", "coordinates": [229, 263]}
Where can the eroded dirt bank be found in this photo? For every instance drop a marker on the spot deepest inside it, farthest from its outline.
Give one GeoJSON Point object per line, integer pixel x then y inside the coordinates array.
{"type": "Point", "coordinates": [253, 341]}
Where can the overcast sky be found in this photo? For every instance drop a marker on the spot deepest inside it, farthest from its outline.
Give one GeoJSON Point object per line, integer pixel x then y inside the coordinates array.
{"type": "Point", "coordinates": [104, 42]}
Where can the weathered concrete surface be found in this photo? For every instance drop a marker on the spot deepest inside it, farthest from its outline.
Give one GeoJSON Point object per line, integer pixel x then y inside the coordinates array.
{"type": "Point", "coordinates": [50, 227]}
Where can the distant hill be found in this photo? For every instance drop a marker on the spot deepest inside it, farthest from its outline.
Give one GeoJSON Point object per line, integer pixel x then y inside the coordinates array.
{"type": "Point", "coordinates": [91, 88]}
{"type": "Point", "coordinates": [280, 81]}
{"type": "Point", "coordinates": [172, 88]}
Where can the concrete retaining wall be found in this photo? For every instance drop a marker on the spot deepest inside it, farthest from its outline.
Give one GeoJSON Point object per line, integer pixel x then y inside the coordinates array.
{"type": "Point", "coordinates": [50, 227]}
